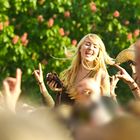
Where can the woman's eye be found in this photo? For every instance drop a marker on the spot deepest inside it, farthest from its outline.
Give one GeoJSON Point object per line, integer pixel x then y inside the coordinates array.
{"type": "Point", "coordinates": [88, 44]}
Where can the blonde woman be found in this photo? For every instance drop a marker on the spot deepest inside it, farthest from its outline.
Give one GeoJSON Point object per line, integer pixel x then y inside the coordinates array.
{"type": "Point", "coordinates": [89, 62]}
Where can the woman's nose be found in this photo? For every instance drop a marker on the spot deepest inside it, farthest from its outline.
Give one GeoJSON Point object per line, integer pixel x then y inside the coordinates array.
{"type": "Point", "coordinates": [91, 46]}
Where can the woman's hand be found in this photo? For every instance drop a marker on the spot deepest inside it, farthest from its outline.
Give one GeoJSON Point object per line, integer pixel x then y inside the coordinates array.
{"type": "Point", "coordinates": [113, 83]}
{"type": "Point", "coordinates": [54, 82]}
{"type": "Point", "coordinates": [11, 90]}
{"type": "Point", "coordinates": [53, 86]}
{"type": "Point", "coordinates": [39, 75]}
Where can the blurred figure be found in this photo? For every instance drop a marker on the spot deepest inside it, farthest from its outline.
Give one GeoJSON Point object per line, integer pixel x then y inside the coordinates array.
{"type": "Point", "coordinates": [87, 118]}
{"type": "Point", "coordinates": [133, 107]}
{"type": "Point", "coordinates": [88, 91]}
{"type": "Point", "coordinates": [91, 110]}
{"type": "Point", "coordinates": [37, 126]}
{"type": "Point", "coordinates": [122, 128]}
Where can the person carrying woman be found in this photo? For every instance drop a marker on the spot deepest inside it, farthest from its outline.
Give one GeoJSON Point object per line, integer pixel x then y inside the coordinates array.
{"type": "Point", "coordinates": [89, 62]}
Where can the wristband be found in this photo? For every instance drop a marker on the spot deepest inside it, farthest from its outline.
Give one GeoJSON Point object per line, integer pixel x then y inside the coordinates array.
{"type": "Point", "coordinates": [134, 88]}
{"type": "Point", "coordinates": [40, 83]}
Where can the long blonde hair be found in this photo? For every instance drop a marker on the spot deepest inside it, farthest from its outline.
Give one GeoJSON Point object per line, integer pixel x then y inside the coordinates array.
{"type": "Point", "coordinates": [68, 76]}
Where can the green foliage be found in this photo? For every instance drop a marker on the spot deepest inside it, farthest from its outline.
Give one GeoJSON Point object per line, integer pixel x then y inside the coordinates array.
{"type": "Point", "coordinates": [31, 31]}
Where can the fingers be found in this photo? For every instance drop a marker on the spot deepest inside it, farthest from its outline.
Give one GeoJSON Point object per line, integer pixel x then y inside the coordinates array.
{"type": "Point", "coordinates": [58, 89]}
{"type": "Point", "coordinates": [119, 67]}
{"type": "Point", "coordinates": [18, 77]}
{"type": "Point", "coordinates": [10, 80]}
{"type": "Point", "coordinates": [37, 75]}
{"type": "Point", "coordinates": [11, 84]}
{"type": "Point", "coordinates": [133, 68]}
{"type": "Point", "coordinates": [119, 76]}
{"type": "Point", "coordinates": [114, 80]}
{"type": "Point", "coordinates": [6, 88]}
{"type": "Point", "coordinates": [53, 86]}
{"type": "Point", "coordinates": [112, 77]}
{"type": "Point", "coordinates": [40, 69]}
{"type": "Point", "coordinates": [36, 71]}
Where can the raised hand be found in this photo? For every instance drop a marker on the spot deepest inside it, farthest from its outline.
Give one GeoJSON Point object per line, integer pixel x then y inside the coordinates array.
{"type": "Point", "coordinates": [39, 75]}
{"type": "Point", "coordinates": [130, 81]}
{"type": "Point", "coordinates": [11, 90]}
{"type": "Point", "coordinates": [113, 83]}
{"type": "Point", "coordinates": [123, 75]}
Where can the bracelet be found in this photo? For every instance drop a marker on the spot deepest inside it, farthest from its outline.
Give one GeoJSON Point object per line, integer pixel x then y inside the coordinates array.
{"type": "Point", "coordinates": [132, 84]}
{"type": "Point", "coordinates": [134, 88]}
{"type": "Point", "coordinates": [40, 83]}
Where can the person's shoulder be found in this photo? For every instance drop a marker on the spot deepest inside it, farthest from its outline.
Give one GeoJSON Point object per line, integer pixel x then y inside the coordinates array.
{"type": "Point", "coordinates": [103, 72]}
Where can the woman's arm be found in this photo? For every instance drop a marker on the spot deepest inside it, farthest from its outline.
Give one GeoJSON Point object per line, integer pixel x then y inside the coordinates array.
{"type": "Point", "coordinates": [47, 97]}
{"type": "Point", "coordinates": [105, 83]}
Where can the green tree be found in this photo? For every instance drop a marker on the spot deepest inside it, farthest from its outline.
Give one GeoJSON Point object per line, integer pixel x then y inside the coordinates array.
{"type": "Point", "coordinates": [32, 31]}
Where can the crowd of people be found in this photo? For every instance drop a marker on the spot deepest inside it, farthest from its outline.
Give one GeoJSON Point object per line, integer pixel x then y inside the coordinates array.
{"type": "Point", "coordinates": [86, 106]}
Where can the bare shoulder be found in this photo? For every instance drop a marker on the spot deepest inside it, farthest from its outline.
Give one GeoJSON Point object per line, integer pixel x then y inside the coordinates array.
{"type": "Point", "coordinates": [103, 72]}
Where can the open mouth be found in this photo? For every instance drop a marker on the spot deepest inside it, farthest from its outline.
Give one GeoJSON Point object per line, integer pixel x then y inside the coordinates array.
{"type": "Point", "coordinates": [89, 53]}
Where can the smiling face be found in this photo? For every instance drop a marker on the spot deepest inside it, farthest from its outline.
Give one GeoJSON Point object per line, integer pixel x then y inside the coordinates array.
{"type": "Point", "coordinates": [89, 50]}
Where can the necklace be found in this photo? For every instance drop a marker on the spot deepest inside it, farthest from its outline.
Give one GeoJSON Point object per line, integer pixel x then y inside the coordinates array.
{"type": "Point", "coordinates": [86, 66]}
{"type": "Point", "coordinates": [85, 76]}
